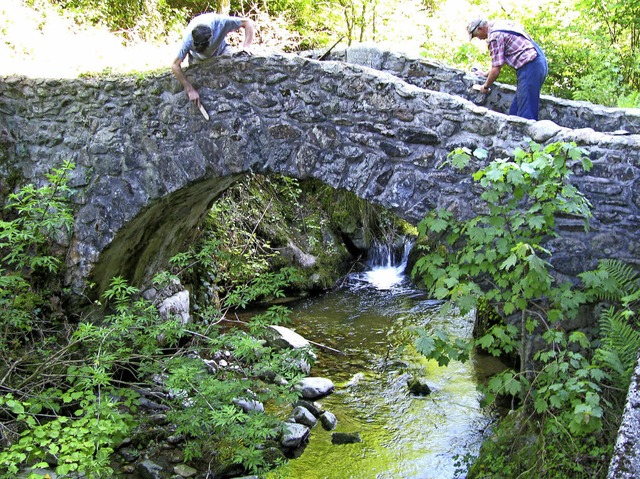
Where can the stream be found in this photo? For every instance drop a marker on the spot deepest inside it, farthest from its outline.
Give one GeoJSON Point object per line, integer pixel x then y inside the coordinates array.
{"type": "Point", "coordinates": [404, 436]}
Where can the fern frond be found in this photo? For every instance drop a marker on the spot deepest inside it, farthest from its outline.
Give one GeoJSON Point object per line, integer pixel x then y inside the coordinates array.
{"type": "Point", "coordinates": [620, 342]}
{"type": "Point", "coordinates": [619, 373]}
{"type": "Point", "coordinates": [624, 280]}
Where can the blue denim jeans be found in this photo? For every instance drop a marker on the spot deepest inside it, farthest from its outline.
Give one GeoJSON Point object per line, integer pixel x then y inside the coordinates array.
{"type": "Point", "coordinates": [531, 76]}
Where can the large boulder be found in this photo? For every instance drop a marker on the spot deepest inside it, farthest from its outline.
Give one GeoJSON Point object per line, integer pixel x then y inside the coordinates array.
{"type": "Point", "coordinates": [283, 338]}
{"type": "Point", "coordinates": [313, 387]}
{"type": "Point", "coordinates": [294, 434]}
{"type": "Point", "coordinates": [280, 337]}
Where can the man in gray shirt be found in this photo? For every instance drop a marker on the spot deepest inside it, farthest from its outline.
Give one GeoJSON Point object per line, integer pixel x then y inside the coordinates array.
{"type": "Point", "coordinates": [205, 38]}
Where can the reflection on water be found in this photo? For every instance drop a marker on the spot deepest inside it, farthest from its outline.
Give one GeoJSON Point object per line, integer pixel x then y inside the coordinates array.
{"type": "Point", "coordinates": [403, 436]}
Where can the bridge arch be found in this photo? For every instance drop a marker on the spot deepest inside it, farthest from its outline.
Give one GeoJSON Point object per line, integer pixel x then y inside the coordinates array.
{"type": "Point", "coordinates": [149, 165]}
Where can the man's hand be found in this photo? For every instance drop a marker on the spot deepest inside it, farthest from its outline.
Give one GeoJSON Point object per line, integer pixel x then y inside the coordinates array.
{"type": "Point", "coordinates": [194, 96]}
{"type": "Point", "coordinates": [481, 88]}
{"type": "Point", "coordinates": [192, 93]}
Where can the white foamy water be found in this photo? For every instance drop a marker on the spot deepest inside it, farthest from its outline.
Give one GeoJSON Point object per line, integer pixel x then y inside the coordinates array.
{"type": "Point", "coordinates": [387, 265]}
{"type": "Point", "coordinates": [385, 277]}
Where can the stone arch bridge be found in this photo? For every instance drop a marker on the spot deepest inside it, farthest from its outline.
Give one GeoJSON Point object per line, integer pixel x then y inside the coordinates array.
{"type": "Point", "coordinates": [375, 123]}
{"type": "Point", "coordinates": [149, 164]}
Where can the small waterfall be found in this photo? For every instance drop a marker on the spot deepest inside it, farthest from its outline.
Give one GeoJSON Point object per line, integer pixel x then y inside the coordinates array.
{"type": "Point", "coordinates": [387, 264]}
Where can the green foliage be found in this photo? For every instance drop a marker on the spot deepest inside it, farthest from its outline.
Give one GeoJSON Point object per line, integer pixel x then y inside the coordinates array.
{"type": "Point", "coordinates": [592, 50]}
{"type": "Point", "coordinates": [358, 16]}
{"type": "Point", "coordinates": [148, 20]}
{"type": "Point", "coordinates": [207, 408]}
{"type": "Point", "coordinates": [619, 24]}
{"type": "Point", "coordinates": [34, 220]}
{"type": "Point", "coordinates": [74, 424]}
{"type": "Point", "coordinates": [41, 216]}
{"type": "Point", "coordinates": [267, 285]}
{"type": "Point", "coordinates": [503, 243]}
{"type": "Point", "coordinates": [77, 423]}
{"type": "Point", "coordinates": [567, 384]}
{"type": "Point", "coordinates": [619, 285]}
{"type": "Point", "coordinates": [604, 84]}
{"type": "Point", "coordinates": [80, 441]}
{"type": "Point", "coordinates": [204, 394]}
{"type": "Point", "coordinates": [530, 449]}
{"type": "Point", "coordinates": [441, 347]}
{"type": "Point", "coordinates": [207, 399]}
{"type": "Point", "coordinates": [133, 334]}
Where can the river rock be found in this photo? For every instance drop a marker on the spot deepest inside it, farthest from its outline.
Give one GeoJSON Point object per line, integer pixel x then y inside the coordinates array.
{"type": "Point", "coordinates": [328, 421]}
{"type": "Point", "coordinates": [249, 405]}
{"type": "Point", "coordinates": [312, 407]}
{"type": "Point", "coordinates": [543, 130]}
{"type": "Point", "coordinates": [295, 254]}
{"type": "Point", "coordinates": [283, 338]}
{"type": "Point", "coordinates": [271, 376]}
{"type": "Point", "coordinates": [175, 439]}
{"type": "Point", "coordinates": [294, 434]}
{"type": "Point", "coordinates": [418, 386]}
{"type": "Point", "coordinates": [176, 305]}
{"type": "Point", "coordinates": [149, 470]}
{"type": "Point", "coordinates": [345, 437]}
{"type": "Point", "coordinates": [313, 388]}
{"type": "Point", "coordinates": [184, 471]}
{"type": "Point", "coordinates": [129, 454]}
{"type": "Point", "coordinates": [302, 415]}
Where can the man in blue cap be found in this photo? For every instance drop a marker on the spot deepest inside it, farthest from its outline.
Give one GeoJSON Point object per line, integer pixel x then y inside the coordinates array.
{"type": "Point", "coordinates": [510, 44]}
{"type": "Point", "coordinates": [205, 38]}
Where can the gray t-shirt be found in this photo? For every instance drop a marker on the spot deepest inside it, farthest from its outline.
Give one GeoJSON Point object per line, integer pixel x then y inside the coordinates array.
{"type": "Point", "coordinates": [220, 25]}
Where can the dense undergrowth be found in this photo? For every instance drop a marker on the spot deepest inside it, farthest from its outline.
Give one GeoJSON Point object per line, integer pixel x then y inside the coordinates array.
{"type": "Point", "coordinates": [567, 393]}
{"type": "Point", "coordinates": [70, 388]}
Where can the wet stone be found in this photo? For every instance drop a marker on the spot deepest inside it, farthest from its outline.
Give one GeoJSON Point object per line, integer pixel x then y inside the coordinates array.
{"type": "Point", "coordinates": [328, 421]}
{"type": "Point", "coordinates": [184, 471]}
{"type": "Point", "coordinates": [303, 416]}
{"type": "Point", "coordinates": [294, 435]}
{"type": "Point", "coordinates": [338, 438]}
{"type": "Point", "coordinates": [312, 388]}
{"type": "Point", "coordinates": [418, 386]}
{"type": "Point", "coordinates": [149, 470]}
{"type": "Point", "coordinates": [312, 407]}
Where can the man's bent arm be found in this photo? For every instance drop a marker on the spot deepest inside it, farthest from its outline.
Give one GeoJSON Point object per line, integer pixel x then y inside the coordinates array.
{"type": "Point", "coordinates": [492, 76]}
{"type": "Point", "coordinates": [192, 93]}
{"type": "Point", "coordinates": [249, 31]}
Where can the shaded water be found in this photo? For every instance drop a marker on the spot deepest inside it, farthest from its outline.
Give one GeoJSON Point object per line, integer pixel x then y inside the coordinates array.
{"type": "Point", "coordinates": [403, 436]}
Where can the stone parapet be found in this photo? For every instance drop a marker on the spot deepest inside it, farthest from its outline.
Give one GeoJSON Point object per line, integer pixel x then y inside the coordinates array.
{"type": "Point", "coordinates": [432, 75]}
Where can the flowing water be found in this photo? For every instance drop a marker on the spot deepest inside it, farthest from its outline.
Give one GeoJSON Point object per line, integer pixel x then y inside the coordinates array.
{"type": "Point", "coordinates": [403, 436]}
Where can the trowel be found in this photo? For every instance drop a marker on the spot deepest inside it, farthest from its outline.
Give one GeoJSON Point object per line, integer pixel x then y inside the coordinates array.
{"type": "Point", "coordinates": [203, 111]}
